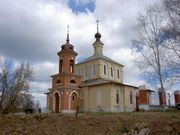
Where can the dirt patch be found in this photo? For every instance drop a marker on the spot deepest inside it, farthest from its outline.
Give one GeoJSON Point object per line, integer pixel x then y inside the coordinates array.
{"type": "Point", "coordinates": [158, 123]}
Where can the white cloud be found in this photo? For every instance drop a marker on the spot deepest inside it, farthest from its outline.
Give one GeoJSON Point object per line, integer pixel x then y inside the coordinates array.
{"type": "Point", "coordinates": [34, 31]}
{"type": "Point", "coordinates": [84, 1]}
{"type": "Point", "coordinates": [41, 97]}
{"type": "Point", "coordinates": [2, 59]}
{"type": "Point", "coordinates": [43, 70]}
{"type": "Point", "coordinates": [131, 72]}
{"type": "Point", "coordinates": [38, 89]}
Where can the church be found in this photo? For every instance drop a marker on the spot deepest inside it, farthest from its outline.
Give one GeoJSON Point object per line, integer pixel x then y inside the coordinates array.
{"type": "Point", "coordinates": [94, 84]}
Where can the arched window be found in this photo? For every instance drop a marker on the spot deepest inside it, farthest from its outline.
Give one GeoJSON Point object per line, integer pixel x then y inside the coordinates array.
{"type": "Point", "coordinates": [118, 74]}
{"type": "Point", "coordinates": [117, 97]}
{"type": "Point", "coordinates": [72, 81]}
{"type": "Point", "coordinates": [98, 98]}
{"type": "Point", "coordinates": [111, 72]}
{"type": "Point", "coordinates": [61, 66]}
{"type": "Point", "coordinates": [72, 66]}
{"type": "Point", "coordinates": [104, 69]}
{"type": "Point", "coordinates": [94, 69]}
{"type": "Point", "coordinates": [78, 72]}
{"type": "Point", "coordinates": [58, 80]}
{"type": "Point", "coordinates": [131, 97]}
{"type": "Point", "coordinates": [86, 72]}
{"type": "Point", "coordinates": [73, 98]}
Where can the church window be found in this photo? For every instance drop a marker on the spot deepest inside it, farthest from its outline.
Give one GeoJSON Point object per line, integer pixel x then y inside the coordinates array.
{"type": "Point", "coordinates": [71, 66]}
{"type": "Point", "coordinates": [93, 69]}
{"type": "Point", "coordinates": [79, 72]}
{"type": "Point", "coordinates": [118, 74]}
{"type": "Point", "coordinates": [86, 71]}
{"type": "Point", "coordinates": [104, 69]}
{"type": "Point", "coordinates": [131, 97]}
{"type": "Point", "coordinates": [117, 97]}
{"type": "Point", "coordinates": [98, 97]}
{"type": "Point", "coordinates": [61, 66]}
{"type": "Point", "coordinates": [111, 72]}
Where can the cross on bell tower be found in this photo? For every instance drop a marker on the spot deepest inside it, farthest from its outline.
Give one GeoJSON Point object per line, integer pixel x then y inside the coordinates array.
{"type": "Point", "coordinates": [67, 40]}
{"type": "Point", "coordinates": [98, 45]}
{"type": "Point", "coordinates": [97, 26]}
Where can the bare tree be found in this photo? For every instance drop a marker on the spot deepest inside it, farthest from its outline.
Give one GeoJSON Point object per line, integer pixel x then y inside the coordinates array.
{"type": "Point", "coordinates": [13, 81]}
{"type": "Point", "coordinates": [171, 36]}
{"type": "Point", "coordinates": [24, 101]}
{"type": "Point", "coordinates": [171, 33]}
{"type": "Point", "coordinates": [37, 105]}
{"type": "Point", "coordinates": [172, 9]}
{"type": "Point", "coordinates": [79, 101]}
{"type": "Point", "coordinates": [153, 56]}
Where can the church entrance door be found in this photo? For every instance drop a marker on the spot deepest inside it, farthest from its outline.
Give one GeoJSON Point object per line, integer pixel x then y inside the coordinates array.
{"type": "Point", "coordinates": [73, 101]}
{"type": "Point", "coordinates": [56, 102]}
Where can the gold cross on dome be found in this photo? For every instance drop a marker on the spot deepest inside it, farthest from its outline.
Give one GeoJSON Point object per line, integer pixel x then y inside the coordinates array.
{"type": "Point", "coordinates": [67, 28]}
{"type": "Point", "coordinates": [97, 25]}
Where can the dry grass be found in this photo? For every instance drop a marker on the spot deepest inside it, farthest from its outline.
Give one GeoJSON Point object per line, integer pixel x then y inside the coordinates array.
{"type": "Point", "coordinates": [89, 123]}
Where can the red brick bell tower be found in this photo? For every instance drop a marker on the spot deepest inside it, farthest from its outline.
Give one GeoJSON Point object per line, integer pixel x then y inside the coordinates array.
{"type": "Point", "coordinates": [65, 85]}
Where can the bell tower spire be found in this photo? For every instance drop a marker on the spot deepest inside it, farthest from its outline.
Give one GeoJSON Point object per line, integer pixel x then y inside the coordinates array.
{"type": "Point", "coordinates": [98, 45]}
{"type": "Point", "coordinates": [67, 39]}
{"type": "Point", "coordinates": [67, 56]}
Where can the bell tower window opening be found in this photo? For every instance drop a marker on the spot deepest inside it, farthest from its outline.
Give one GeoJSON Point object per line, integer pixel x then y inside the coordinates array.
{"type": "Point", "coordinates": [61, 66]}
{"type": "Point", "coordinates": [72, 66]}
{"type": "Point", "coordinates": [72, 81]}
{"type": "Point", "coordinates": [58, 81]}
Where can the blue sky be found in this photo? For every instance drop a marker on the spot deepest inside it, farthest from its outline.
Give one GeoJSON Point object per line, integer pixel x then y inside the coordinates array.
{"type": "Point", "coordinates": [34, 31]}
{"type": "Point", "coordinates": [81, 7]}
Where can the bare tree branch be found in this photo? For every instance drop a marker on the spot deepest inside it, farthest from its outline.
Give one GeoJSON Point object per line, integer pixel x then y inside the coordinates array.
{"type": "Point", "coordinates": [12, 83]}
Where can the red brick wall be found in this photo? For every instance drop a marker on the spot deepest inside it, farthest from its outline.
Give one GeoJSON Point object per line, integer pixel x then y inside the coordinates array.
{"type": "Point", "coordinates": [143, 97]}
{"type": "Point", "coordinates": [65, 86]}
{"type": "Point", "coordinates": [66, 62]}
{"type": "Point", "coordinates": [64, 101]}
{"type": "Point", "coordinates": [177, 98]}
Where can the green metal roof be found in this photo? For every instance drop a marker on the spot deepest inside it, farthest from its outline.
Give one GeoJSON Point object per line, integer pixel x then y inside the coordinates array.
{"type": "Point", "coordinates": [98, 56]}
{"type": "Point", "coordinates": [101, 81]}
